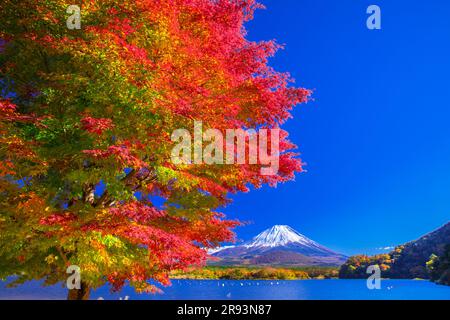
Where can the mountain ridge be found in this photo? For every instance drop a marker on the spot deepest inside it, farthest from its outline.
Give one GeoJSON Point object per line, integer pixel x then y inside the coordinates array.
{"type": "Point", "coordinates": [279, 245]}
{"type": "Point", "coordinates": [408, 261]}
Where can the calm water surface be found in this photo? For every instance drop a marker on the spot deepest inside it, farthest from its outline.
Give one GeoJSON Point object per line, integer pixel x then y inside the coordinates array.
{"type": "Point", "coordinates": [253, 290]}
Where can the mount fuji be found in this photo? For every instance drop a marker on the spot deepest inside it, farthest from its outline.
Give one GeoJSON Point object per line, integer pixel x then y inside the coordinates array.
{"type": "Point", "coordinates": [277, 246]}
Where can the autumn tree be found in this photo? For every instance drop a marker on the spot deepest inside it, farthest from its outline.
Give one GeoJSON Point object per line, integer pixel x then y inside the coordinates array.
{"type": "Point", "coordinates": [86, 118]}
{"type": "Point", "coordinates": [439, 267]}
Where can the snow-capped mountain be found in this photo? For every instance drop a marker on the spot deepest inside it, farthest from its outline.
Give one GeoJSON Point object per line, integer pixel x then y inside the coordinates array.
{"type": "Point", "coordinates": [281, 236]}
{"type": "Point", "coordinates": [279, 245]}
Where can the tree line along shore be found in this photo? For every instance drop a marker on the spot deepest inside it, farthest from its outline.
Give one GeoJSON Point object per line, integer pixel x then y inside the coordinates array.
{"type": "Point", "coordinates": [258, 273]}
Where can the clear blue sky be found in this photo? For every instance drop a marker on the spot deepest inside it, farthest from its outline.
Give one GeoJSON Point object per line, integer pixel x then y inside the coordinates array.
{"type": "Point", "coordinates": [377, 137]}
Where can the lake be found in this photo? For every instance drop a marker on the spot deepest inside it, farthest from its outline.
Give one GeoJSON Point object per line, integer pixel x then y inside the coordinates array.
{"type": "Point", "coordinates": [254, 290]}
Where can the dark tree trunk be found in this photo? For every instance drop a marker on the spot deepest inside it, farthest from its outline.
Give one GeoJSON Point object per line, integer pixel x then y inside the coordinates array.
{"type": "Point", "coordinates": [81, 294]}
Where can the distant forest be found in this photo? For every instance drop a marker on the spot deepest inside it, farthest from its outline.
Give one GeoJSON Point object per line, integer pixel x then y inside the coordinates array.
{"type": "Point", "coordinates": [258, 273]}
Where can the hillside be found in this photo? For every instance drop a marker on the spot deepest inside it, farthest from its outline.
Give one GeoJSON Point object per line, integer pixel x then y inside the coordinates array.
{"type": "Point", "coordinates": [407, 261]}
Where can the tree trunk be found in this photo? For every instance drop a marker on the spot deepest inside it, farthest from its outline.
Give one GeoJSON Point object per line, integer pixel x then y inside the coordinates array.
{"type": "Point", "coordinates": [81, 294]}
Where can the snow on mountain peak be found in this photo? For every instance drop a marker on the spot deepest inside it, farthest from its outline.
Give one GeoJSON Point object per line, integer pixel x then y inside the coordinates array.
{"type": "Point", "coordinates": [277, 236]}
{"type": "Point", "coordinates": [278, 246]}
{"type": "Point", "coordinates": [280, 235]}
